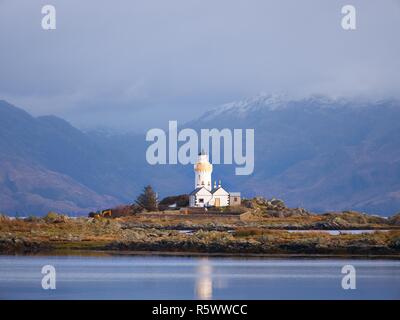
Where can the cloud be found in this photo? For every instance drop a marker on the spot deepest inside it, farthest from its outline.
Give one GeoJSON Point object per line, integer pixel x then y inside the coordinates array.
{"type": "Point", "coordinates": [138, 62]}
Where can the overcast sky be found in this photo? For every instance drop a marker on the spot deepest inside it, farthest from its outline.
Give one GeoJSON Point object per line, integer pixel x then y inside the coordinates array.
{"type": "Point", "coordinates": [138, 64]}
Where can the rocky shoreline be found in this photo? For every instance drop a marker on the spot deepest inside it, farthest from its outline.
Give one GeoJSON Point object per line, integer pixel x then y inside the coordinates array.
{"type": "Point", "coordinates": [243, 248]}
{"type": "Point", "coordinates": [261, 228]}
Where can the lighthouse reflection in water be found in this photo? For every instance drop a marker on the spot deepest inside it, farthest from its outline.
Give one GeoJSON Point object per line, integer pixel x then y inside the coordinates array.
{"type": "Point", "coordinates": [204, 284]}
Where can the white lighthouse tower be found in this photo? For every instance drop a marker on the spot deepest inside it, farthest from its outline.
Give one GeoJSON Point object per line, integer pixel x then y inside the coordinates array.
{"type": "Point", "coordinates": [204, 193]}
{"type": "Point", "coordinates": [202, 170]}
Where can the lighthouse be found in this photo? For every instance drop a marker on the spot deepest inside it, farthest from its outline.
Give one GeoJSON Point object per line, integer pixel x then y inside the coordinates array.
{"type": "Point", "coordinates": [204, 193]}
{"type": "Point", "coordinates": [202, 170]}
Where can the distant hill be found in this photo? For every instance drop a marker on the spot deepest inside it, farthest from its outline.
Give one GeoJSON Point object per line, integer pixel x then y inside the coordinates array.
{"type": "Point", "coordinates": [47, 164]}
{"type": "Point", "coordinates": [319, 153]}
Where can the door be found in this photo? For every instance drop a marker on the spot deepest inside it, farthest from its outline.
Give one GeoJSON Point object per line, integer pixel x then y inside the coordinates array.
{"type": "Point", "coordinates": [217, 202]}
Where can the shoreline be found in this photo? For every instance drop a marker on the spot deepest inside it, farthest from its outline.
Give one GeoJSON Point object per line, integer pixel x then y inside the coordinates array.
{"type": "Point", "coordinates": [216, 245]}
{"type": "Point", "coordinates": [100, 251]}
{"type": "Point", "coordinates": [251, 236]}
{"type": "Point", "coordinates": [124, 253]}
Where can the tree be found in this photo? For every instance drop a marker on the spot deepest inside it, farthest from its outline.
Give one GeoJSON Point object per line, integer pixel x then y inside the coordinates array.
{"type": "Point", "coordinates": [148, 199]}
{"type": "Point", "coordinates": [180, 201]}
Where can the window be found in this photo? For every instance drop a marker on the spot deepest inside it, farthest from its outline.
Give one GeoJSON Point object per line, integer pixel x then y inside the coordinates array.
{"type": "Point", "coordinates": [201, 200]}
{"type": "Point", "coordinates": [202, 183]}
{"type": "Point", "coordinates": [235, 199]}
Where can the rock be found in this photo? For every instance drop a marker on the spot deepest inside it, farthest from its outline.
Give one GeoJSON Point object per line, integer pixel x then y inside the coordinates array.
{"type": "Point", "coordinates": [278, 203]}
{"type": "Point", "coordinates": [395, 220]}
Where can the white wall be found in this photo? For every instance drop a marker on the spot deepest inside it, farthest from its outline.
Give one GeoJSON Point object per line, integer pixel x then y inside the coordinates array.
{"type": "Point", "coordinates": [202, 176]}
{"type": "Point", "coordinates": [223, 197]}
{"type": "Point", "coordinates": [202, 194]}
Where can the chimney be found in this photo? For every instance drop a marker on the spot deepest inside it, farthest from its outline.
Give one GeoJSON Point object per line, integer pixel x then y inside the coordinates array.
{"type": "Point", "coordinates": [219, 183]}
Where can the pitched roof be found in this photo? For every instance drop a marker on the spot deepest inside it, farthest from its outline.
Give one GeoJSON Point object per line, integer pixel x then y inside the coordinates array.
{"type": "Point", "coordinates": [197, 190]}
{"type": "Point", "coordinates": [218, 188]}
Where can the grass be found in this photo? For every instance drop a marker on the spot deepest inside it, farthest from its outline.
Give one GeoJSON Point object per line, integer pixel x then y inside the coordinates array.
{"type": "Point", "coordinates": [211, 235]}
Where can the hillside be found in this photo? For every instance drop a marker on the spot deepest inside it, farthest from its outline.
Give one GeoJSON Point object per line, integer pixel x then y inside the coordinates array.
{"type": "Point", "coordinates": [46, 164]}
{"type": "Point", "coordinates": [318, 153]}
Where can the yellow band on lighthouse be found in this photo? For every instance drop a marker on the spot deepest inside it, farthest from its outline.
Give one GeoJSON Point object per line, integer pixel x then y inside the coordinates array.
{"type": "Point", "coordinates": [203, 167]}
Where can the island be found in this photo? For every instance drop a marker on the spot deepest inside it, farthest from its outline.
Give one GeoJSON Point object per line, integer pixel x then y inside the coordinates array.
{"type": "Point", "coordinates": [258, 227]}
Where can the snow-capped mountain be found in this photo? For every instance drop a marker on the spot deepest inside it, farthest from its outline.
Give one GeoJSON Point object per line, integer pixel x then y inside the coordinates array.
{"type": "Point", "coordinates": [260, 102]}
{"type": "Point", "coordinates": [319, 152]}
{"type": "Point", "coordinates": [279, 102]}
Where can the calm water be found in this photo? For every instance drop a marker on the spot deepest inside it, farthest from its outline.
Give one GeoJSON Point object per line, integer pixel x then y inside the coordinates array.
{"type": "Point", "coordinates": [156, 277]}
{"type": "Point", "coordinates": [338, 232]}
{"type": "Point", "coordinates": [331, 232]}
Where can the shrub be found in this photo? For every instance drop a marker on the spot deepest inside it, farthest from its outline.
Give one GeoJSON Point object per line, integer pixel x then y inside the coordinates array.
{"type": "Point", "coordinates": [181, 201]}
{"type": "Point", "coordinates": [233, 209]}
{"type": "Point", "coordinates": [31, 218]}
{"type": "Point", "coordinates": [54, 217]}
{"type": "Point", "coordinates": [395, 220]}
{"type": "Point", "coordinates": [246, 232]}
{"type": "Point", "coordinates": [124, 211]}
{"type": "Point", "coordinates": [395, 243]}
{"type": "Point", "coordinates": [4, 217]}
{"type": "Point", "coordinates": [92, 214]}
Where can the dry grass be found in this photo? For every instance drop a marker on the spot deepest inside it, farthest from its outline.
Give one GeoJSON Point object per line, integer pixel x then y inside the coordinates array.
{"type": "Point", "coordinates": [151, 233]}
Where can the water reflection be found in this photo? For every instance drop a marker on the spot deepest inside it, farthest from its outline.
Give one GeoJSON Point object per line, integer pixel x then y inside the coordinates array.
{"type": "Point", "coordinates": [204, 285]}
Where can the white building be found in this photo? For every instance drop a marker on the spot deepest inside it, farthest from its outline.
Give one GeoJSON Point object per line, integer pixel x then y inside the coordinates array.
{"type": "Point", "coordinates": [206, 195]}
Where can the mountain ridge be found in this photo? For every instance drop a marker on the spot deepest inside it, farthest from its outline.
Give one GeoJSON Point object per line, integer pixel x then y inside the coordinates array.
{"type": "Point", "coordinates": [308, 145]}
{"type": "Point", "coordinates": [339, 156]}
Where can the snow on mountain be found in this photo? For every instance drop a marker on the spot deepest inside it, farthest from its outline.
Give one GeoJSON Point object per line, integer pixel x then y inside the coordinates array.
{"type": "Point", "coordinates": [319, 152]}
{"type": "Point", "coordinates": [277, 102]}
